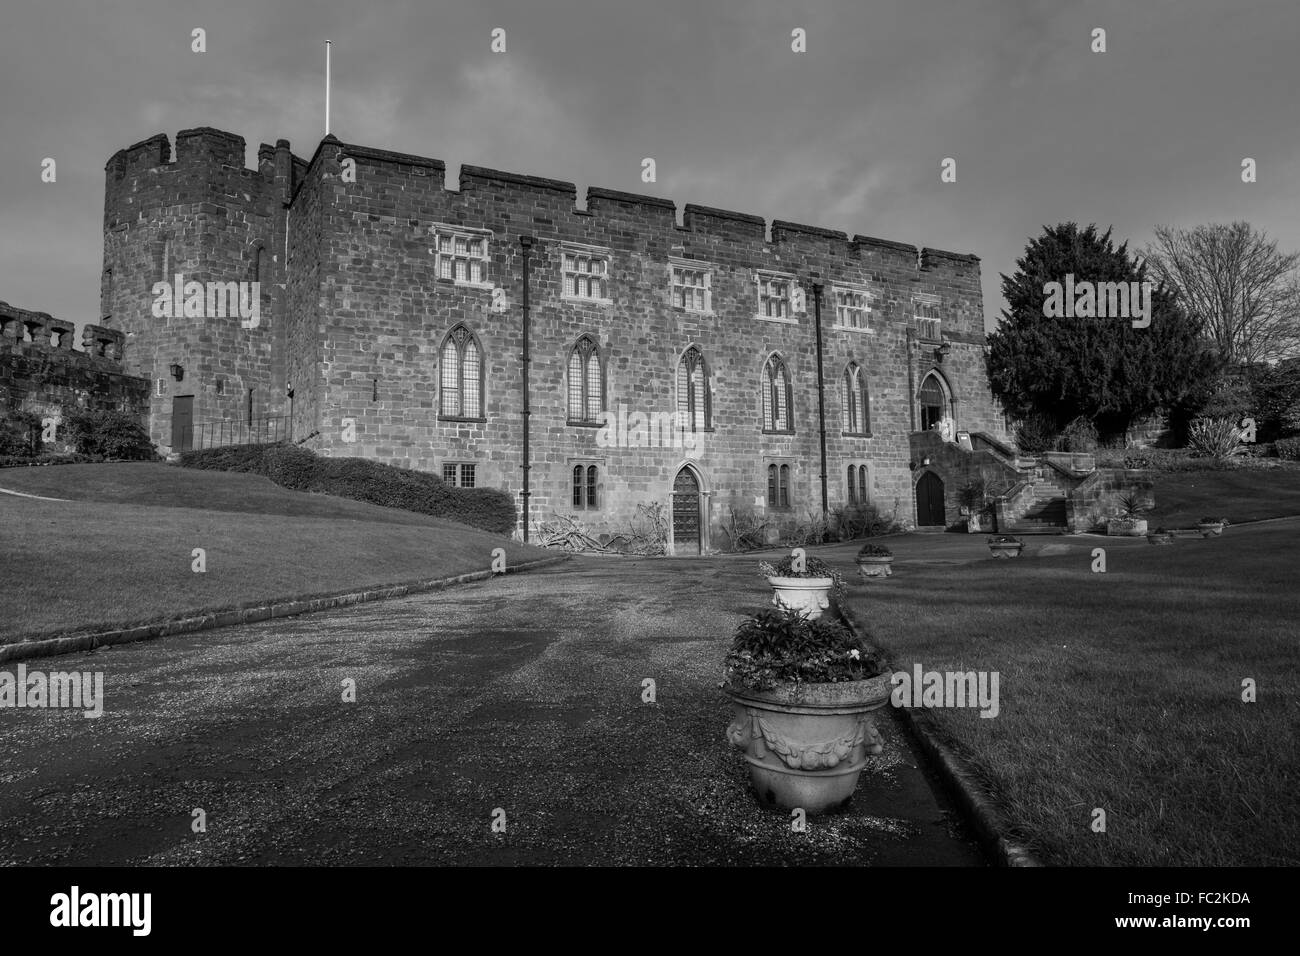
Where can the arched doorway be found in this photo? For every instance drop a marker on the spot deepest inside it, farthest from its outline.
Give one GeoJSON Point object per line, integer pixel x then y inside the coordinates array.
{"type": "Point", "coordinates": [686, 513]}
{"type": "Point", "coordinates": [933, 401]}
{"type": "Point", "coordinates": [929, 501]}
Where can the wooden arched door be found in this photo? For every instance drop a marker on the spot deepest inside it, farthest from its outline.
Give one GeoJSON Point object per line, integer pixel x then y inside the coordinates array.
{"type": "Point", "coordinates": [929, 501]}
{"type": "Point", "coordinates": [686, 513]}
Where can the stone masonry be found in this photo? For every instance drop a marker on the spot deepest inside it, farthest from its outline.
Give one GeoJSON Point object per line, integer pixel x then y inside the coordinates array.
{"type": "Point", "coordinates": [41, 373]}
{"type": "Point", "coordinates": [354, 320]}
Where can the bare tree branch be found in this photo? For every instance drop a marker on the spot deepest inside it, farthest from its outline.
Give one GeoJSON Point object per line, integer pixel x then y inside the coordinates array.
{"type": "Point", "coordinates": [1236, 283]}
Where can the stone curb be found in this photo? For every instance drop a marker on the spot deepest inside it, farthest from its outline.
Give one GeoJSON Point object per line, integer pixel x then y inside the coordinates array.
{"type": "Point", "coordinates": [973, 799]}
{"type": "Point", "coordinates": [49, 647]}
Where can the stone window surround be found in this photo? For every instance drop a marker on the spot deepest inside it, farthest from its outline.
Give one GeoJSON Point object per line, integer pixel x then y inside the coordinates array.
{"type": "Point", "coordinates": [595, 252]}
{"type": "Point", "coordinates": [851, 494]}
{"type": "Point", "coordinates": [866, 432]}
{"type": "Point", "coordinates": [599, 355]}
{"type": "Point", "coordinates": [697, 265]}
{"type": "Point", "coordinates": [779, 462]}
{"type": "Point", "coordinates": [481, 376]}
{"type": "Point", "coordinates": [765, 384]}
{"type": "Point", "coordinates": [571, 465]}
{"type": "Point", "coordinates": [459, 477]}
{"type": "Point", "coordinates": [871, 297]}
{"type": "Point", "coordinates": [927, 299]}
{"type": "Point", "coordinates": [791, 281]}
{"type": "Point", "coordinates": [441, 229]}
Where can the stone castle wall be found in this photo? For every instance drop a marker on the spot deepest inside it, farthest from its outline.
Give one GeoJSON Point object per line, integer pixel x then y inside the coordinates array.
{"type": "Point", "coordinates": [207, 218]}
{"type": "Point", "coordinates": [356, 318]}
{"type": "Point", "coordinates": [389, 314]}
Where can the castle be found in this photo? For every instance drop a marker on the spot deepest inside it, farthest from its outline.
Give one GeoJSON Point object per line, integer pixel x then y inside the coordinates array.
{"type": "Point", "coordinates": [707, 366]}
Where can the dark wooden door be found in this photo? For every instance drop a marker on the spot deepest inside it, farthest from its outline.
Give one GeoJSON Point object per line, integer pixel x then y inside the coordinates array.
{"type": "Point", "coordinates": [182, 422]}
{"type": "Point", "coordinates": [686, 513]}
{"type": "Point", "coordinates": [929, 500]}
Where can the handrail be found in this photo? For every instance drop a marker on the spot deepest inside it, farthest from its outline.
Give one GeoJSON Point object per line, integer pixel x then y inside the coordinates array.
{"type": "Point", "coordinates": [237, 431]}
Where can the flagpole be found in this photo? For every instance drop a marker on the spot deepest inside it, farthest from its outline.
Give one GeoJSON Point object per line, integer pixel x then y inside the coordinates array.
{"type": "Point", "coordinates": [327, 87]}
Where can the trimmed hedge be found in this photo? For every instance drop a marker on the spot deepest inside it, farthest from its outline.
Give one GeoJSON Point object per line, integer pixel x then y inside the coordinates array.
{"type": "Point", "coordinates": [21, 461]}
{"type": "Point", "coordinates": [360, 479]}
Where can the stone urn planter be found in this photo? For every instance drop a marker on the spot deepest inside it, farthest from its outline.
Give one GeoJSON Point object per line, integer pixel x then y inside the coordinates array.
{"type": "Point", "coordinates": [874, 562]}
{"type": "Point", "coordinates": [809, 596]}
{"type": "Point", "coordinates": [802, 583]}
{"type": "Point", "coordinates": [806, 744]}
{"type": "Point", "coordinates": [1211, 527]}
{"type": "Point", "coordinates": [1005, 546]}
{"type": "Point", "coordinates": [804, 720]}
{"type": "Point", "coordinates": [1160, 536]}
{"type": "Point", "coordinates": [1127, 527]}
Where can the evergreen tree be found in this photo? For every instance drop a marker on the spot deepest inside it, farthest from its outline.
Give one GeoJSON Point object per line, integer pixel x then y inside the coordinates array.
{"type": "Point", "coordinates": [1059, 368]}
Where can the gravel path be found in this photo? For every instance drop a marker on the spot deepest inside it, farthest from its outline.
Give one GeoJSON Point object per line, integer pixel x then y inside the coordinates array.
{"type": "Point", "coordinates": [522, 694]}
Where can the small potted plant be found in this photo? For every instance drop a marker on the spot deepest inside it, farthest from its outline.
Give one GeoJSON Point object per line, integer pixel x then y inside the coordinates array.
{"type": "Point", "coordinates": [1211, 527]}
{"type": "Point", "coordinates": [803, 693]}
{"type": "Point", "coordinates": [874, 562]}
{"type": "Point", "coordinates": [1160, 536]}
{"type": "Point", "coordinates": [1005, 546]}
{"type": "Point", "coordinates": [973, 499]}
{"type": "Point", "coordinates": [803, 583]}
{"type": "Point", "coordinates": [1129, 521]}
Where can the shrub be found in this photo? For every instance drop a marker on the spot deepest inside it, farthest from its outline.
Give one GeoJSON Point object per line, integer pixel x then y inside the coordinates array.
{"type": "Point", "coordinates": [360, 479]}
{"type": "Point", "coordinates": [1079, 435]}
{"type": "Point", "coordinates": [864, 520]}
{"type": "Point", "coordinates": [874, 551]}
{"type": "Point", "coordinates": [1132, 506]}
{"type": "Point", "coordinates": [973, 495]}
{"type": "Point", "coordinates": [1288, 449]}
{"type": "Point", "coordinates": [20, 435]}
{"type": "Point", "coordinates": [1231, 398]}
{"type": "Point", "coordinates": [239, 458]}
{"type": "Point", "coordinates": [20, 461]}
{"type": "Point", "coordinates": [1217, 438]}
{"type": "Point", "coordinates": [1175, 460]}
{"type": "Point", "coordinates": [112, 434]}
{"type": "Point", "coordinates": [780, 646]}
{"type": "Point", "coordinates": [1036, 435]}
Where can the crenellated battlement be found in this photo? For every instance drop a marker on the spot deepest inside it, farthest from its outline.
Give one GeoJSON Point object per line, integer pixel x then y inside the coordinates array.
{"type": "Point", "coordinates": [217, 148]}
{"type": "Point", "coordinates": [704, 221]}
{"type": "Point", "coordinates": [25, 329]}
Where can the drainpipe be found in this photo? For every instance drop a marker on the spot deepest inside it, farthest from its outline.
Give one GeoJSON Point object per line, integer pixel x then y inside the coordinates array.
{"type": "Point", "coordinates": [821, 387]}
{"type": "Point", "coordinates": [526, 243]}
{"type": "Point", "coordinates": [911, 382]}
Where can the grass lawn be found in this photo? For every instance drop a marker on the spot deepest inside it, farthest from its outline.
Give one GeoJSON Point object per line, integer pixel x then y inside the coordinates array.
{"type": "Point", "coordinates": [120, 553]}
{"type": "Point", "coordinates": [1242, 494]}
{"type": "Point", "coordinates": [1121, 691]}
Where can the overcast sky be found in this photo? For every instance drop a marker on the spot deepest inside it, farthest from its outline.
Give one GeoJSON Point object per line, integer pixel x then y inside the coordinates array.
{"type": "Point", "coordinates": [849, 135]}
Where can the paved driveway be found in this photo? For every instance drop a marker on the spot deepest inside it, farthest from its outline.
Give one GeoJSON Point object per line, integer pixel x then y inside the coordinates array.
{"type": "Point", "coordinates": [520, 694]}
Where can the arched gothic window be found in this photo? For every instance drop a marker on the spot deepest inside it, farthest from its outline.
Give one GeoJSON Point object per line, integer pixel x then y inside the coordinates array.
{"type": "Point", "coordinates": [693, 411]}
{"type": "Point", "coordinates": [776, 397]}
{"type": "Point", "coordinates": [586, 385]}
{"type": "Point", "coordinates": [461, 394]}
{"type": "Point", "coordinates": [856, 404]}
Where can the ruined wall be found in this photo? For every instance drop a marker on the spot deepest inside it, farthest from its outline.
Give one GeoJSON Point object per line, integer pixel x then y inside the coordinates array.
{"type": "Point", "coordinates": [41, 373]}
